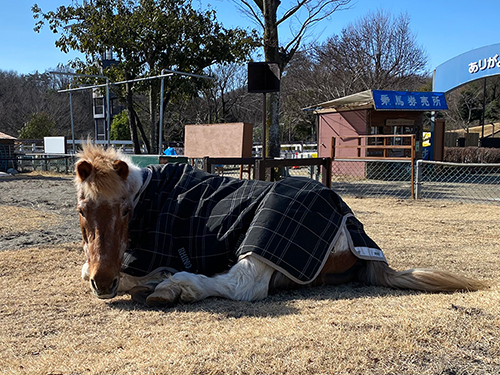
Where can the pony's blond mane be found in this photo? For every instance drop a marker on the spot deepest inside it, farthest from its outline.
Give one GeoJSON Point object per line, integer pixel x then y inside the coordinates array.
{"type": "Point", "coordinates": [103, 182]}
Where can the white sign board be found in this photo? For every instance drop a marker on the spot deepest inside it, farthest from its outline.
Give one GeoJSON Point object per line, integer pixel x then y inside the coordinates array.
{"type": "Point", "coordinates": [54, 145]}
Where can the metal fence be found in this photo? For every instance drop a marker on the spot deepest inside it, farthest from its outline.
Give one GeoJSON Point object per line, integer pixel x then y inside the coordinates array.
{"type": "Point", "coordinates": [468, 183]}
{"type": "Point", "coordinates": [372, 178]}
{"type": "Point", "coordinates": [472, 183]}
{"type": "Point", "coordinates": [42, 163]}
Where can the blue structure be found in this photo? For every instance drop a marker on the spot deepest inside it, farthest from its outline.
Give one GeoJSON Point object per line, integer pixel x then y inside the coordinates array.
{"type": "Point", "coordinates": [467, 67]}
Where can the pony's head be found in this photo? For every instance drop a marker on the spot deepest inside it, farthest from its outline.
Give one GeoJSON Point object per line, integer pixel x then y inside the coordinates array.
{"type": "Point", "coordinates": [104, 191]}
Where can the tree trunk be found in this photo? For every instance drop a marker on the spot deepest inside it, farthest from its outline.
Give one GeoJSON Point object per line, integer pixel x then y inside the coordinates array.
{"type": "Point", "coordinates": [131, 117]}
{"type": "Point", "coordinates": [273, 125]}
{"type": "Point", "coordinates": [271, 54]}
{"type": "Point", "coordinates": [143, 133]}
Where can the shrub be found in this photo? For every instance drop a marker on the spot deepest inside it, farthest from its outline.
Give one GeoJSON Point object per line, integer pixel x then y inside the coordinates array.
{"type": "Point", "coordinates": [471, 155]}
{"type": "Point", "coordinates": [40, 125]}
{"type": "Point", "coordinates": [119, 127]}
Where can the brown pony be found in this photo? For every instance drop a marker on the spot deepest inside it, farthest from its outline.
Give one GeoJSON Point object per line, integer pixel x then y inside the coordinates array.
{"type": "Point", "coordinates": [108, 185]}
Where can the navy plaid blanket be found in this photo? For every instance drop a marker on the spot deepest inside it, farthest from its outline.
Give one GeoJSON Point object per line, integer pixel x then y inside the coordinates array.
{"type": "Point", "coordinates": [193, 221]}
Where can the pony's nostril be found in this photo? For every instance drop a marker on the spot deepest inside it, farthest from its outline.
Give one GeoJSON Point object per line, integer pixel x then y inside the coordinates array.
{"type": "Point", "coordinates": [94, 285]}
{"type": "Point", "coordinates": [108, 289]}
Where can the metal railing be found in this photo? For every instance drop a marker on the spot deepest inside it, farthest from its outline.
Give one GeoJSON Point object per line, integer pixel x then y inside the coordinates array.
{"type": "Point", "coordinates": [316, 168]}
{"type": "Point", "coordinates": [470, 183]}
{"type": "Point", "coordinates": [41, 162]}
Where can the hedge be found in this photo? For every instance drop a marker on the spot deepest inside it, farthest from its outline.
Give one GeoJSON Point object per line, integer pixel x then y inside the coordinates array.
{"type": "Point", "coordinates": [471, 155]}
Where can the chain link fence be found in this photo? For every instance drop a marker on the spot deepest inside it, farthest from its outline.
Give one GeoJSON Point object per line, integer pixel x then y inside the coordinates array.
{"type": "Point", "coordinates": [372, 178]}
{"type": "Point", "coordinates": [470, 183]}
{"type": "Point", "coordinates": [467, 183]}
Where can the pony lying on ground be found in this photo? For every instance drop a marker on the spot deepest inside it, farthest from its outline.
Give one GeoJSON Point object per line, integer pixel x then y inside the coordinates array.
{"type": "Point", "coordinates": [170, 233]}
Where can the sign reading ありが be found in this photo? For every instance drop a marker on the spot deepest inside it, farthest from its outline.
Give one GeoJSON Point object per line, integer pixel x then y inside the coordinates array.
{"type": "Point", "coordinates": [482, 64]}
{"type": "Point", "coordinates": [469, 66]}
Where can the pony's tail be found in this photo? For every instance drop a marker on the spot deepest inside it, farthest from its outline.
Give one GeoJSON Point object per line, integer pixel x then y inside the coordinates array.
{"type": "Point", "coordinates": [428, 280]}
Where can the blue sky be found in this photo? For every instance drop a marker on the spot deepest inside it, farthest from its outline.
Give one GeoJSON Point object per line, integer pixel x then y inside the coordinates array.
{"type": "Point", "coordinates": [444, 28]}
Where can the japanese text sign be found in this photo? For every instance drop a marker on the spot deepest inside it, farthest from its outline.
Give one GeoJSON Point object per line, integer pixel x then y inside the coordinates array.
{"type": "Point", "coordinates": [472, 65]}
{"type": "Point", "coordinates": [407, 100]}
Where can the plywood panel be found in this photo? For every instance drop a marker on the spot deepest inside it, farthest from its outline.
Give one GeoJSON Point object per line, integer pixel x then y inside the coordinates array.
{"type": "Point", "coordinates": [233, 140]}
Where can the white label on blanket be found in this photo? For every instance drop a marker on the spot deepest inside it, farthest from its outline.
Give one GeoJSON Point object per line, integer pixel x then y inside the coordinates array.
{"type": "Point", "coordinates": [369, 252]}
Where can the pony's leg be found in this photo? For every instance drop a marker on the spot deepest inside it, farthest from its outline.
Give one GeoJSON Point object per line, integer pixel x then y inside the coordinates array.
{"type": "Point", "coordinates": [151, 280]}
{"type": "Point", "coordinates": [247, 280]}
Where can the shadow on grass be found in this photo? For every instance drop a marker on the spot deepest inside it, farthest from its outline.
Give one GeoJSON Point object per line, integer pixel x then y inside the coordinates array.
{"type": "Point", "coordinates": [273, 306]}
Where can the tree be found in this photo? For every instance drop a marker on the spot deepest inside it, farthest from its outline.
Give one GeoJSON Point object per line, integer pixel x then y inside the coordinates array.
{"type": "Point", "coordinates": [21, 95]}
{"type": "Point", "coordinates": [119, 127]}
{"type": "Point", "coordinates": [40, 125]}
{"type": "Point", "coordinates": [146, 36]}
{"type": "Point", "coordinates": [300, 87]}
{"type": "Point", "coordinates": [346, 64]}
{"type": "Point", "coordinates": [224, 93]}
{"type": "Point", "coordinates": [376, 52]}
{"type": "Point", "coordinates": [465, 104]}
{"type": "Point", "coordinates": [301, 16]}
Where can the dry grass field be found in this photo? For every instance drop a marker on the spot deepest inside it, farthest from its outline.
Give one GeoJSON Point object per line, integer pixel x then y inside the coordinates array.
{"type": "Point", "coordinates": [51, 324]}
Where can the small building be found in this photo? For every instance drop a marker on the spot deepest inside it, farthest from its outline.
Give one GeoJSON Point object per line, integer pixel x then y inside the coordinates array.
{"type": "Point", "coordinates": [7, 147]}
{"type": "Point", "coordinates": [374, 112]}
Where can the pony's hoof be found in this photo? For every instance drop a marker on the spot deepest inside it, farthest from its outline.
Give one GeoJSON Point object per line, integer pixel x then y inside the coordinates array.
{"type": "Point", "coordinates": [165, 294]}
{"type": "Point", "coordinates": [140, 293]}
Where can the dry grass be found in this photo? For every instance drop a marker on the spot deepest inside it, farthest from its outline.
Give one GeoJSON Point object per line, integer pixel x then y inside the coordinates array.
{"type": "Point", "coordinates": [18, 219]}
{"type": "Point", "coordinates": [52, 325]}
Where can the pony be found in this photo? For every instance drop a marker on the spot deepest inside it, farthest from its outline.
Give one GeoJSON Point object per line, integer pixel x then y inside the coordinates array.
{"type": "Point", "coordinates": [111, 195]}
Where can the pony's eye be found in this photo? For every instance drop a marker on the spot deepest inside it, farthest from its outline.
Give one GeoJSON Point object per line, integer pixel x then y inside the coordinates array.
{"type": "Point", "coordinates": [126, 212]}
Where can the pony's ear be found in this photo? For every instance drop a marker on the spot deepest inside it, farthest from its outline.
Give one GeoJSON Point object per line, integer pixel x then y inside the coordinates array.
{"type": "Point", "coordinates": [121, 168]}
{"type": "Point", "coordinates": [83, 170]}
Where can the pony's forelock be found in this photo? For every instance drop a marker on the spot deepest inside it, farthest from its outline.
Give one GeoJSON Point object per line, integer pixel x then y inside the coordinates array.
{"type": "Point", "coordinates": [103, 182]}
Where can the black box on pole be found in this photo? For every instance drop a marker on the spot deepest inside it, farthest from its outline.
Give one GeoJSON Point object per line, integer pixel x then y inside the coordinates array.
{"type": "Point", "coordinates": [263, 77]}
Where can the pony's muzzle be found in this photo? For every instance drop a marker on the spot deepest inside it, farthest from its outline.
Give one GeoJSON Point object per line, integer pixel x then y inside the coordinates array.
{"type": "Point", "coordinates": [104, 290]}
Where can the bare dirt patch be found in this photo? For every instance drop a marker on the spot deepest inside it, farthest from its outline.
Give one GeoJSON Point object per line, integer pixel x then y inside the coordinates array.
{"type": "Point", "coordinates": [37, 210]}
{"type": "Point", "coordinates": [51, 324]}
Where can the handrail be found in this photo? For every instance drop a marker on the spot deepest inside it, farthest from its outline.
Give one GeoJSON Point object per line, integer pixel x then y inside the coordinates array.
{"type": "Point", "coordinates": [260, 165]}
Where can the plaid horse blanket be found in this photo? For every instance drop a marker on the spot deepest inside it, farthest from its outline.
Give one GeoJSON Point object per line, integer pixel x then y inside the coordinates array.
{"type": "Point", "coordinates": [193, 221]}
